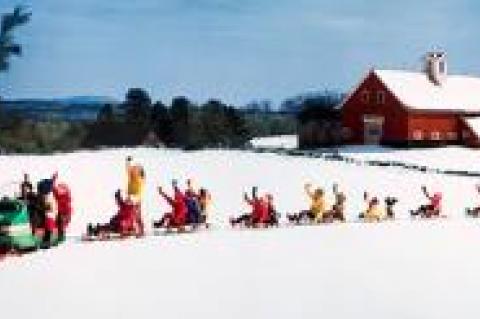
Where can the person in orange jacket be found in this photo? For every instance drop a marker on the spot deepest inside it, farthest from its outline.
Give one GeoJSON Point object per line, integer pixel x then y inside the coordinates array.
{"type": "Point", "coordinates": [204, 199]}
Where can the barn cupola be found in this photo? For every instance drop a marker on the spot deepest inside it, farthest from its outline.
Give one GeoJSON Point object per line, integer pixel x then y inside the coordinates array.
{"type": "Point", "coordinates": [436, 67]}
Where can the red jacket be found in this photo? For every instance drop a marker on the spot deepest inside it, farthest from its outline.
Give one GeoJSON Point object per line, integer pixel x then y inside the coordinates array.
{"type": "Point", "coordinates": [179, 207]}
{"type": "Point", "coordinates": [259, 210]}
{"type": "Point", "coordinates": [436, 201]}
{"type": "Point", "coordinates": [126, 214]}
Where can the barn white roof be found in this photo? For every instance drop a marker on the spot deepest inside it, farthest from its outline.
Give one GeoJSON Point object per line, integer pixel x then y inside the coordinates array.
{"type": "Point", "coordinates": [474, 124]}
{"type": "Point", "coordinates": [416, 91]}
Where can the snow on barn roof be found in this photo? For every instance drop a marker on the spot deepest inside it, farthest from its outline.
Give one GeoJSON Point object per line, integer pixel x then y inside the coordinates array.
{"type": "Point", "coordinates": [474, 124]}
{"type": "Point", "coordinates": [416, 91]}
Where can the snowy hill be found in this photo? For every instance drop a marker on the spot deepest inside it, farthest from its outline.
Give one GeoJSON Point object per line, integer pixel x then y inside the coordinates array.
{"type": "Point", "coordinates": [401, 269]}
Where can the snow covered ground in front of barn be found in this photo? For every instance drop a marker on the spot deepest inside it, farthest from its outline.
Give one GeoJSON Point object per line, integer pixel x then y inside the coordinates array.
{"type": "Point", "coordinates": [400, 269]}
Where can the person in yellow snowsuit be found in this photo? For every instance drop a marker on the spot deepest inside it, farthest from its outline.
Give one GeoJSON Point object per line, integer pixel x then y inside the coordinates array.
{"type": "Point", "coordinates": [317, 208]}
{"type": "Point", "coordinates": [318, 203]}
{"type": "Point", "coordinates": [374, 212]}
{"type": "Point", "coordinates": [135, 187]}
{"type": "Point", "coordinates": [136, 180]}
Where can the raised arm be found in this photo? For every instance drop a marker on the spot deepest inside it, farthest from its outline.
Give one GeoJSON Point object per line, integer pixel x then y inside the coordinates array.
{"type": "Point", "coordinates": [128, 165]}
{"type": "Point", "coordinates": [254, 193]}
{"type": "Point", "coordinates": [247, 199]}
{"type": "Point", "coordinates": [118, 198]}
{"type": "Point", "coordinates": [335, 189]}
{"type": "Point", "coordinates": [190, 188]}
{"type": "Point", "coordinates": [366, 197]}
{"type": "Point", "coordinates": [165, 196]}
{"type": "Point", "coordinates": [308, 190]}
{"type": "Point", "coordinates": [425, 192]}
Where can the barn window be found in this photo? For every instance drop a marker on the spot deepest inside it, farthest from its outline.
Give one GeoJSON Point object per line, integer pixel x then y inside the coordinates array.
{"type": "Point", "coordinates": [435, 136]}
{"type": "Point", "coordinates": [451, 136]}
{"type": "Point", "coordinates": [418, 135]}
{"type": "Point", "coordinates": [380, 97]}
{"type": "Point", "coordinates": [365, 96]}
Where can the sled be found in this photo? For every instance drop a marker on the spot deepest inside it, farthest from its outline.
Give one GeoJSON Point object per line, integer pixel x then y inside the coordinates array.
{"type": "Point", "coordinates": [245, 222]}
{"type": "Point", "coordinates": [472, 212]}
{"type": "Point", "coordinates": [188, 228]}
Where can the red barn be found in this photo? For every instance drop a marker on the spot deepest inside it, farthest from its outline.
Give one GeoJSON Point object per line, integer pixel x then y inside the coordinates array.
{"type": "Point", "coordinates": [413, 108]}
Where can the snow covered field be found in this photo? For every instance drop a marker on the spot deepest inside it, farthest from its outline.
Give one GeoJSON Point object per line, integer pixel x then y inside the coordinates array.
{"type": "Point", "coordinates": [401, 269]}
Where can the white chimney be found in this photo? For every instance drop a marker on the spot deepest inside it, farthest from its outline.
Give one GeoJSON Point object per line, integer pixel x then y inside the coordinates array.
{"type": "Point", "coordinates": [436, 67]}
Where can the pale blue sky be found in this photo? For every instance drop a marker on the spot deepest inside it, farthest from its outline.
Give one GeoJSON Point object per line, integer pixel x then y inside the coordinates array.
{"type": "Point", "coordinates": [236, 50]}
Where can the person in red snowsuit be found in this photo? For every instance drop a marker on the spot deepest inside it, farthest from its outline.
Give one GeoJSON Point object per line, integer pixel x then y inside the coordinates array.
{"type": "Point", "coordinates": [62, 195]}
{"type": "Point", "coordinates": [178, 216]}
{"type": "Point", "coordinates": [126, 216]}
{"type": "Point", "coordinates": [260, 211]}
{"type": "Point", "coordinates": [122, 223]}
{"type": "Point", "coordinates": [433, 208]}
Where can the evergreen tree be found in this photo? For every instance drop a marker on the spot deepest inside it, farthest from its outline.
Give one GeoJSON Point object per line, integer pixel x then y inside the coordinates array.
{"type": "Point", "coordinates": [137, 106]}
{"type": "Point", "coordinates": [8, 47]}
{"type": "Point", "coordinates": [162, 122]}
{"type": "Point", "coordinates": [180, 111]}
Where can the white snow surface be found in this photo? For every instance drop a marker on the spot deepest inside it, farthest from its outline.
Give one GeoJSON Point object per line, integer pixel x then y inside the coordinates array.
{"type": "Point", "coordinates": [280, 141]}
{"type": "Point", "coordinates": [401, 269]}
{"type": "Point", "coordinates": [415, 90]}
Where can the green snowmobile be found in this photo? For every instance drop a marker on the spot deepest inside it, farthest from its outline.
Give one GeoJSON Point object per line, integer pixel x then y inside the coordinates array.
{"type": "Point", "coordinates": [15, 229]}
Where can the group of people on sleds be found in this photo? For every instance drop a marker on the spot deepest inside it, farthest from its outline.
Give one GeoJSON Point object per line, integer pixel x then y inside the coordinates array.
{"type": "Point", "coordinates": [49, 208]}
{"type": "Point", "coordinates": [128, 219]}
{"type": "Point", "coordinates": [263, 212]}
{"type": "Point", "coordinates": [189, 207]}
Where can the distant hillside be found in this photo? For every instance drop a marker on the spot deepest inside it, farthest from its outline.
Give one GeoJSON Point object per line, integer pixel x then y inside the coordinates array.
{"type": "Point", "coordinates": [76, 108]}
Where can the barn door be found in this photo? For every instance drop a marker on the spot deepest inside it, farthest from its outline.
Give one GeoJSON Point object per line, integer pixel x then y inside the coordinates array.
{"type": "Point", "coordinates": [372, 129]}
